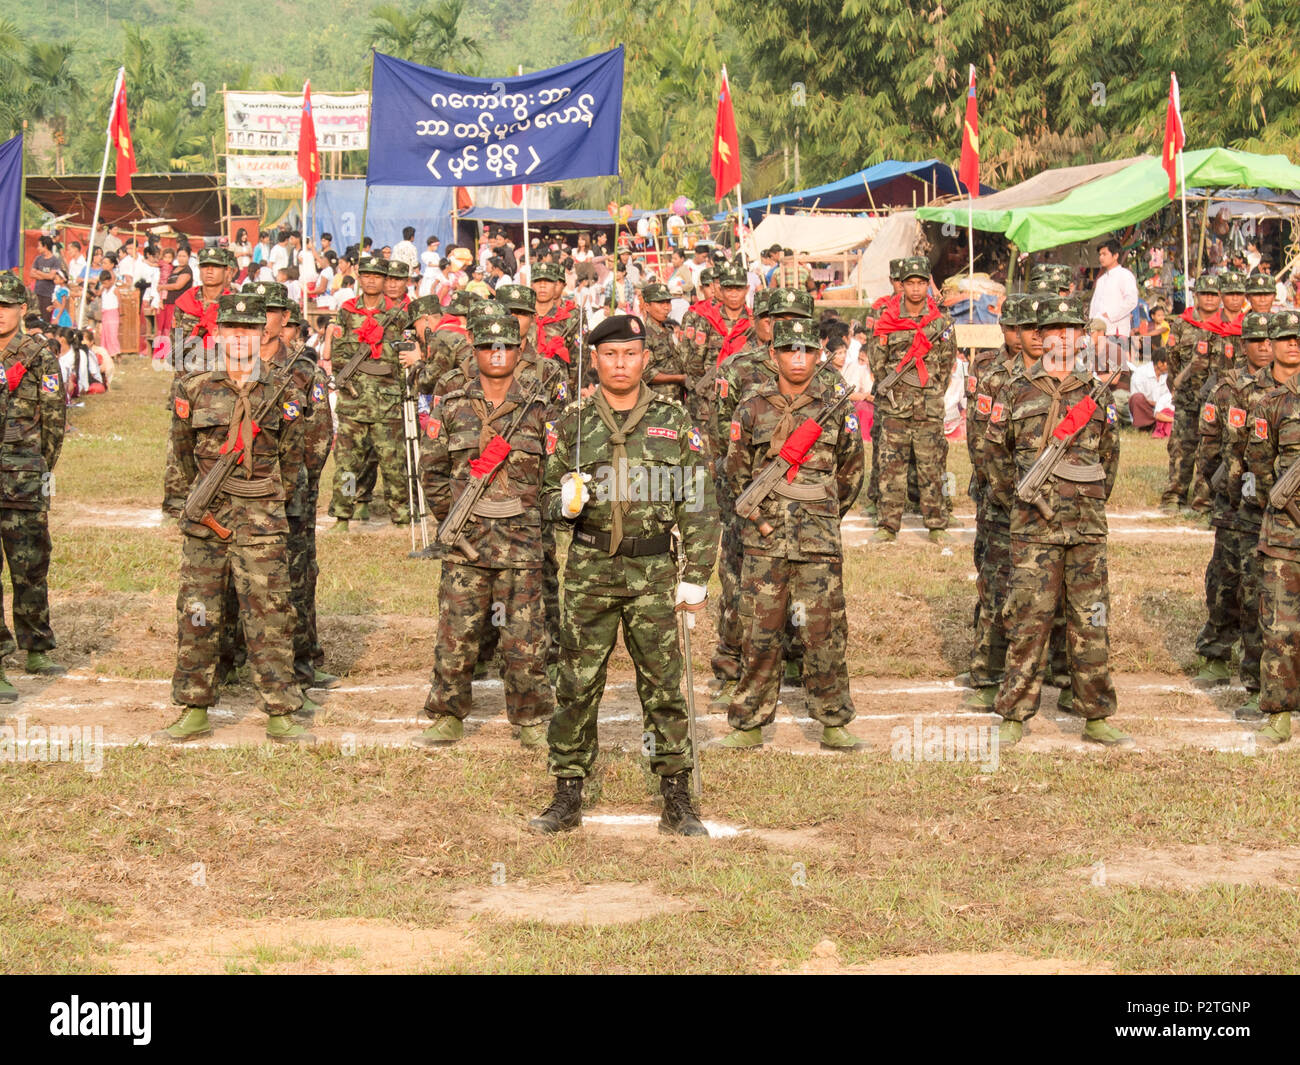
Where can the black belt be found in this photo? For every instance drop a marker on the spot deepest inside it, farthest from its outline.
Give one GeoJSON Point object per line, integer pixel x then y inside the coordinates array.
{"type": "Point", "coordinates": [631, 546]}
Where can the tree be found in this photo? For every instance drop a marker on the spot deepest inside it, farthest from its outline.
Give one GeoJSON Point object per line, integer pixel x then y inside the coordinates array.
{"type": "Point", "coordinates": [55, 90]}
{"type": "Point", "coordinates": [428, 36]}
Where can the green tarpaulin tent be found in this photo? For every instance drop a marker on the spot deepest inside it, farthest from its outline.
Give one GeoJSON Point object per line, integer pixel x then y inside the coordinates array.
{"type": "Point", "coordinates": [1109, 202]}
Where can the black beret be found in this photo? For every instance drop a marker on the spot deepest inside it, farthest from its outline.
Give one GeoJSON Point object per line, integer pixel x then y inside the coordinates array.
{"type": "Point", "coordinates": [617, 329]}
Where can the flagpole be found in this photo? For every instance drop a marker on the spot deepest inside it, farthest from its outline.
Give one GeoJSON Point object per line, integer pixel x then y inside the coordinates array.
{"type": "Point", "coordinates": [970, 237]}
{"type": "Point", "coordinates": [99, 196]}
{"type": "Point", "coordinates": [519, 73]}
{"type": "Point", "coordinates": [1187, 266]}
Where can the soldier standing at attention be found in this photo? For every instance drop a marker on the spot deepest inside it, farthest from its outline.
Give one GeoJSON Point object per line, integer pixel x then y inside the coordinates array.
{"type": "Point", "coordinates": [1195, 344]}
{"type": "Point", "coordinates": [1261, 292]}
{"type": "Point", "coordinates": [499, 582]}
{"type": "Point", "coordinates": [793, 559]}
{"type": "Point", "coordinates": [556, 319]}
{"type": "Point", "coordinates": [1065, 555]}
{"type": "Point", "coordinates": [720, 332]}
{"type": "Point", "coordinates": [666, 367]}
{"type": "Point", "coordinates": [872, 506]}
{"type": "Point", "coordinates": [914, 346]}
{"type": "Point", "coordinates": [620, 571]}
{"type": "Point", "coordinates": [1236, 530]}
{"type": "Point", "coordinates": [373, 416]}
{"type": "Point", "coordinates": [1272, 449]}
{"type": "Point", "coordinates": [243, 538]}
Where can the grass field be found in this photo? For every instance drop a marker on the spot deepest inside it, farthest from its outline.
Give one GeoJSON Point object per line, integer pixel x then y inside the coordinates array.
{"type": "Point", "coordinates": [364, 855]}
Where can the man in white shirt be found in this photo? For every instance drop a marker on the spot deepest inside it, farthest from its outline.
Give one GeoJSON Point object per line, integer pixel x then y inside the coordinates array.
{"type": "Point", "coordinates": [1149, 399]}
{"type": "Point", "coordinates": [404, 251]}
{"type": "Point", "coordinates": [1116, 294]}
{"type": "Point", "coordinates": [279, 258]}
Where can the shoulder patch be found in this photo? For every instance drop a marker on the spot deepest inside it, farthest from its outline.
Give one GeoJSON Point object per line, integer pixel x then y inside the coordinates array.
{"type": "Point", "coordinates": [182, 407]}
{"type": "Point", "coordinates": [720, 383]}
{"type": "Point", "coordinates": [1261, 428]}
{"type": "Point", "coordinates": [983, 404]}
{"type": "Point", "coordinates": [317, 393]}
{"type": "Point", "coordinates": [435, 427]}
{"type": "Point", "coordinates": [1111, 414]}
{"type": "Point", "coordinates": [1209, 413]}
{"type": "Point", "coordinates": [971, 384]}
{"type": "Point", "coordinates": [551, 438]}
{"type": "Point", "coordinates": [667, 434]}
{"type": "Point", "coordinates": [561, 392]}
{"type": "Point", "coordinates": [1236, 417]}
{"type": "Point", "coordinates": [50, 382]}
{"type": "Point", "coordinates": [998, 413]}
{"type": "Point", "coordinates": [291, 410]}
{"type": "Point", "coordinates": [735, 430]}
{"type": "Point", "coordinates": [694, 440]}
{"type": "Point", "coordinates": [850, 423]}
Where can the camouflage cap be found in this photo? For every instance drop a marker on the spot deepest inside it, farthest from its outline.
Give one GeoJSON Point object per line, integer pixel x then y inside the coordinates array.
{"type": "Point", "coordinates": [1013, 311]}
{"type": "Point", "coordinates": [791, 333]}
{"type": "Point", "coordinates": [489, 309]}
{"type": "Point", "coordinates": [295, 315]}
{"type": "Point", "coordinates": [732, 275]}
{"type": "Point", "coordinates": [790, 302]}
{"type": "Point", "coordinates": [372, 264]}
{"type": "Point", "coordinates": [425, 307]}
{"type": "Point", "coordinates": [211, 255]}
{"type": "Point", "coordinates": [1041, 270]}
{"type": "Point", "coordinates": [548, 272]}
{"type": "Point", "coordinates": [274, 295]}
{"type": "Point", "coordinates": [489, 332]}
{"type": "Point", "coordinates": [232, 261]}
{"type": "Point", "coordinates": [12, 290]}
{"type": "Point", "coordinates": [1283, 325]}
{"type": "Point", "coordinates": [655, 292]}
{"type": "Point", "coordinates": [895, 265]}
{"type": "Point", "coordinates": [241, 308]}
{"type": "Point", "coordinates": [761, 304]}
{"type": "Point", "coordinates": [1254, 326]}
{"type": "Point", "coordinates": [519, 298]}
{"type": "Point", "coordinates": [1029, 309]}
{"type": "Point", "coordinates": [1040, 286]}
{"type": "Point", "coordinates": [1207, 283]}
{"type": "Point", "coordinates": [398, 268]}
{"type": "Point", "coordinates": [707, 275]}
{"type": "Point", "coordinates": [1233, 281]}
{"type": "Point", "coordinates": [1258, 284]}
{"type": "Point", "coordinates": [1061, 311]}
{"type": "Point", "coordinates": [914, 266]}
{"type": "Point", "coordinates": [462, 302]}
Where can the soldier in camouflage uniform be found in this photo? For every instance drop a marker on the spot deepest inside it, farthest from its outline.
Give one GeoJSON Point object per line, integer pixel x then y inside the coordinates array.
{"type": "Point", "coordinates": [34, 419]}
{"type": "Point", "coordinates": [666, 366]}
{"type": "Point", "coordinates": [1272, 448]}
{"type": "Point", "coordinates": [373, 416]}
{"type": "Point", "coordinates": [725, 386]}
{"type": "Point", "coordinates": [244, 535]}
{"type": "Point", "coordinates": [25, 477]}
{"type": "Point", "coordinates": [872, 505]}
{"type": "Point", "coordinates": [643, 469]}
{"type": "Point", "coordinates": [1196, 345]}
{"type": "Point", "coordinates": [1261, 292]}
{"type": "Point", "coordinates": [443, 335]}
{"type": "Point", "coordinates": [793, 559]}
{"type": "Point", "coordinates": [720, 332]}
{"type": "Point", "coordinates": [498, 584]}
{"type": "Point", "coordinates": [558, 321]}
{"type": "Point", "coordinates": [1224, 431]}
{"type": "Point", "coordinates": [917, 338]}
{"type": "Point", "coordinates": [1066, 554]}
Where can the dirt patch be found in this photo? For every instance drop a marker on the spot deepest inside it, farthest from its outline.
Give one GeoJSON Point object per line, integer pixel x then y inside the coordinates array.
{"type": "Point", "coordinates": [595, 904]}
{"type": "Point", "coordinates": [1190, 868]}
{"type": "Point", "coordinates": [826, 961]}
{"type": "Point", "coordinates": [337, 945]}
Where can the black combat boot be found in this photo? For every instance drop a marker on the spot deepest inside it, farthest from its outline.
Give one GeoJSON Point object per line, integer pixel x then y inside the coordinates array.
{"type": "Point", "coordinates": [565, 812]}
{"type": "Point", "coordinates": [679, 818]}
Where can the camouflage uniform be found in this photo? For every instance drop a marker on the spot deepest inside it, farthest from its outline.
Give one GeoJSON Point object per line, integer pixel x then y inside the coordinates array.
{"type": "Point", "coordinates": [662, 342]}
{"type": "Point", "coordinates": [911, 414]}
{"type": "Point", "coordinates": [800, 563]}
{"type": "Point", "coordinates": [34, 415]}
{"type": "Point", "coordinates": [505, 530]}
{"type": "Point", "coordinates": [1194, 352]}
{"type": "Point", "coordinates": [1064, 557]}
{"type": "Point", "coordinates": [556, 332]}
{"type": "Point", "coordinates": [373, 418]}
{"type": "Point", "coordinates": [1272, 447]}
{"type": "Point", "coordinates": [255, 557]}
{"type": "Point", "coordinates": [1224, 429]}
{"type": "Point", "coordinates": [629, 589]}
{"type": "Point", "coordinates": [715, 338]}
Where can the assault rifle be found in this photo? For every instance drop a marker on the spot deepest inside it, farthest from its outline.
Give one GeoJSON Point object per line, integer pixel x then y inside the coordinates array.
{"type": "Point", "coordinates": [1282, 495]}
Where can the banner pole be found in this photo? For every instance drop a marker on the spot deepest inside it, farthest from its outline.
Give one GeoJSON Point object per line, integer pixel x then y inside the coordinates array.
{"type": "Point", "coordinates": [99, 196]}
{"type": "Point", "coordinates": [519, 73]}
{"type": "Point", "coordinates": [1187, 266]}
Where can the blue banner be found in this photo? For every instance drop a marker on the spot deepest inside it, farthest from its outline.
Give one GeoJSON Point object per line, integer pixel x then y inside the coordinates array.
{"type": "Point", "coordinates": [428, 127]}
{"type": "Point", "coordinates": [11, 203]}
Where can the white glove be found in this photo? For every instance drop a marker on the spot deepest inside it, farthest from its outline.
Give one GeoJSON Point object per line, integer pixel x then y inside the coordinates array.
{"type": "Point", "coordinates": [690, 595]}
{"type": "Point", "coordinates": [573, 493]}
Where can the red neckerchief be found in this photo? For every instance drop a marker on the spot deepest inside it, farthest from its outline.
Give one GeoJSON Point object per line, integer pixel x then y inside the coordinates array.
{"type": "Point", "coordinates": [885, 301]}
{"type": "Point", "coordinates": [1213, 324]}
{"type": "Point", "coordinates": [733, 338]}
{"type": "Point", "coordinates": [554, 347]}
{"type": "Point", "coordinates": [893, 321]}
{"type": "Point", "coordinates": [701, 307]}
{"type": "Point", "coordinates": [449, 323]}
{"type": "Point", "coordinates": [1232, 328]}
{"type": "Point", "coordinates": [190, 303]}
{"type": "Point", "coordinates": [370, 331]}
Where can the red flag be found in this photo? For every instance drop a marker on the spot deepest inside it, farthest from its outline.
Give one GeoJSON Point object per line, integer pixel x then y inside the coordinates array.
{"type": "Point", "coordinates": [969, 171]}
{"type": "Point", "coordinates": [517, 194]}
{"type": "Point", "coordinates": [308, 158]}
{"type": "Point", "coordinates": [726, 144]}
{"type": "Point", "coordinates": [119, 128]}
{"type": "Point", "coordinates": [1174, 138]}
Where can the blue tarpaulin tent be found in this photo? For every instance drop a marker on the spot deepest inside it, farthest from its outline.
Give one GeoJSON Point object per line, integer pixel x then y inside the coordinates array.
{"type": "Point", "coordinates": [891, 183]}
{"type": "Point", "coordinates": [391, 207]}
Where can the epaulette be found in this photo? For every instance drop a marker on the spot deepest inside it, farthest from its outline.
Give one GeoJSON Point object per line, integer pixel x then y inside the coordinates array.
{"type": "Point", "coordinates": [455, 393]}
{"type": "Point", "coordinates": [666, 401]}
